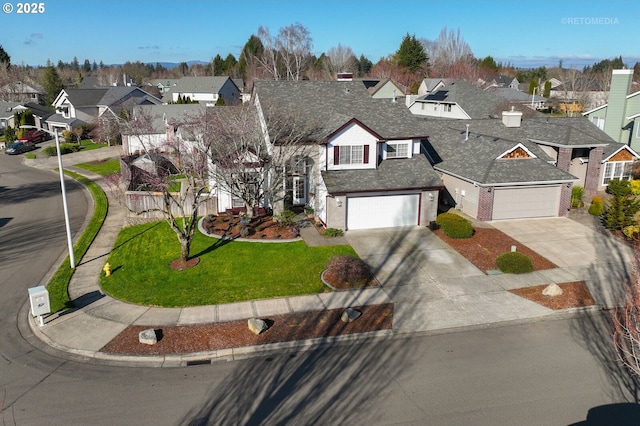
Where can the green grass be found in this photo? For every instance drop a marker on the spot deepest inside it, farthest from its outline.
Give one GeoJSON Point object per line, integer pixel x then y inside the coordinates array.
{"type": "Point", "coordinates": [103, 168]}
{"type": "Point", "coordinates": [88, 145]}
{"type": "Point", "coordinates": [227, 272]}
{"type": "Point", "coordinates": [59, 283]}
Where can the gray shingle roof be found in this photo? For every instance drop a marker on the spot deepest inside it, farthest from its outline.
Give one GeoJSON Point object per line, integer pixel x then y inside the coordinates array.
{"type": "Point", "coordinates": [514, 95]}
{"type": "Point", "coordinates": [474, 101]}
{"type": "Point", "coordinates": [172, 113]}
{"type": "Point", "coordinates": [392, 175]}
{"type": "Point", "coordinates": [331, 104]}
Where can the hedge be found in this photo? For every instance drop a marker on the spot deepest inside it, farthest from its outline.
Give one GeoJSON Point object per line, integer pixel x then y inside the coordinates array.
{"type": "Point", "coordinates": [454, 226]}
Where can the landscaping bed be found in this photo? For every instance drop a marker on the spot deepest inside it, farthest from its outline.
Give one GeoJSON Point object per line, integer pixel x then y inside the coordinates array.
{"type": "Point", "coordinates": [283, 328]}
{"type": "Point", "coordinates": [487, 244]}
{"type": "Point", "coordinates": [575, 295]}
{"type": "Point", "coordinates": [259, 228]}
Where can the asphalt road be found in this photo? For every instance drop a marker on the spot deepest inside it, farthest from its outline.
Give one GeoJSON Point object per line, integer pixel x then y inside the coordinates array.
{"type": "Point", "coordinates": [555, 372]}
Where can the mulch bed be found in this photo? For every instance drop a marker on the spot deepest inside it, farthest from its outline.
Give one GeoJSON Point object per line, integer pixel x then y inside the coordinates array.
{"type": "Point", "coordinates": [234, 334]}
{"type": "Point", "coordinates": [575, 295]}
{"type": "Point", "coordinates": [262, 228]}
{"type": "Point", "coordinates": [487, 244]}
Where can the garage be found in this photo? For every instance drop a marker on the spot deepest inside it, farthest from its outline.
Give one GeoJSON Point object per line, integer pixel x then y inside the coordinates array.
{"type": "Point", "coordinates": [382, 211]}
{"type": "Point", "coordinates": [526, 202]}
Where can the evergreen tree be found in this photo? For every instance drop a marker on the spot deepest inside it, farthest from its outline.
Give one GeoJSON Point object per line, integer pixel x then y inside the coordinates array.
{"type": "Point", "coordinates": [364, 66]}
{"type": "Point", "coordinates": [5, 59]}
{"type": "Point", "coordinates": [532, 87]}
{"type": "Point", "coordinates": [622, 207]}
{"type": "Point", "coordinates": [411, 54]}
{"type": "Point", "coordinates": [489, 63]}
{"type": "Point", "coordinates": [229, 63]}
{"type": "Point", "coordinates": [86, 66]}
{"type": "Point", "coordinates": [252, 49]}
{"type": "Point", "coordinates": [547, 89]}
{"type": "Point", "coordinates": [218, 65]}
{"type": "Point", "coordinates": [52, 84]}
{"type": "Point", "coordinates": [75, 65]}
{"type": "Point", "coordinates": [94, 66]}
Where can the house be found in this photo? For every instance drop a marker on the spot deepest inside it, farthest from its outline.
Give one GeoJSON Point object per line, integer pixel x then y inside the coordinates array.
{"type": "Point", "coordinates": [79, 106]}
{"type": "Point", "coordinates": [459, 100]}
{"type": "Point", "coordinates": [20, 91]}
{"type": "Point", "coordinates": [620, 116]}
{"type": "Point", "coordinates": [365, 167]}
{"type": "Point", "coordinates": [384, 88]}
{"type": "Point", "coordinates": [516, 97]}
{"type": "Point", "coordinates": [502, 81]}
{"type": "Point", "coordinates": [8, 109]}
{"type": "Point", "coordinates": [205, 90]}
{"type": "Point", "coordinates": [522, 168]}
{"type": "Point", "coordinates": [429, 85]}
{"type": "Point", "coordinates": [161, 127]}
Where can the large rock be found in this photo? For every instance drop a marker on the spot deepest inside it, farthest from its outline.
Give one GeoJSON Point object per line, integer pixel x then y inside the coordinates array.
{"type": "Point", "coordinates": [256, 325]}
{"type": "Point", "coordinates": [552, 290]}
{"type": "Point", "coordinates": [350, 314]}
{"type": "Point", "coordinates": [148, 337]}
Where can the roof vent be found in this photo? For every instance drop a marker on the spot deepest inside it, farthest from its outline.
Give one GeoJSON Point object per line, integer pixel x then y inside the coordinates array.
{"type": "Point", "coordinates": [466, 137]}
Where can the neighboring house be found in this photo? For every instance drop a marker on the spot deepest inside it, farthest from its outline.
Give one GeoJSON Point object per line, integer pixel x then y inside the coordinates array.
{"type": "Point", "coordinates": [502, 81]}
{"type": "Point", "coordinates": [384, 88]}
{"type": "Point", "coordinates": [516, 97]}
{"type": "Point", "coordinates": [365, 168]}
{"type": "Point", "coordinates": [429, 85]}
{"type": "Point", "coordinates": [459, 100]}
{"type": "Point", "coordinates": [163, 84]}
{"type": "Point", "coordinates": [22, 92]}
{"type": "Point", "coordinates": [79, 106]}
{"type": "Point", "coordinates": [205, 90]}
{"type": "Point", "coordinates": [620, 116]}
{"type": "Point", "coordinates": [7, 110]}
{"type": "Point", "coordinates": [161, 128]}
{"type": "Point", "coordinates": [578, 94]}
{"type": "Point", "coordinates": [517, 168]}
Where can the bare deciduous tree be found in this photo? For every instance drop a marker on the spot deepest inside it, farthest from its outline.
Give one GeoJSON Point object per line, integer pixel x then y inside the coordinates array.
{"type": "Point", "coordinates": [287, 55]}
{"type": "Point", "coordinates": [341, 59]}
{"type": "Point", "coordinates": [179, 160]}
{"type": "Point", "coordinates": [626, 324]}
{"type": "Point", "coordinates": [448, 49]}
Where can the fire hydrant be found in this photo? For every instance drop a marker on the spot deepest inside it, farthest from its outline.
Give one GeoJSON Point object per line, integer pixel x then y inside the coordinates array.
{"type": "Point", "coordinates": [107, 269]}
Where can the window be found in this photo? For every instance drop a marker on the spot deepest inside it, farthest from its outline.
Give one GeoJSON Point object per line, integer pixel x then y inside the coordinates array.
{"type": "Point", "coordinates": [397, 150]}
{"type": "Point", "coordinates": [350, 154]}
{"type": "Point", "coordinates": [447, 107]}
{"type": "Point", "coordinates": [619, 170]}
{"type": "Point", "coordinates": [598, 121]}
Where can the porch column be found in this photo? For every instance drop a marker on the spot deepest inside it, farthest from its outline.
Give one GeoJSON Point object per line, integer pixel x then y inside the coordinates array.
{"type": "Point", "coordinates": [564, 159]}
{"type": "Point", "coordinates": [593, 171]}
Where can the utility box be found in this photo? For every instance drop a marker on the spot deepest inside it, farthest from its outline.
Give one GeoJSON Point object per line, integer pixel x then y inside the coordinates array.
{"type": "Point", "coordinates": [39, 298]}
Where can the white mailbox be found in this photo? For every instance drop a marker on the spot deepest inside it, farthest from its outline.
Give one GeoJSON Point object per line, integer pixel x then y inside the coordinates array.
{"type": "Point", "coordinates": [39, 298]}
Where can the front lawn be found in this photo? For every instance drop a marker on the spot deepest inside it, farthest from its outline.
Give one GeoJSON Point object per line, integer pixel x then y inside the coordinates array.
{"type": "Point", "coordinates": [229, 271]}
{"type": "Point", "coordinates": [102, 167]}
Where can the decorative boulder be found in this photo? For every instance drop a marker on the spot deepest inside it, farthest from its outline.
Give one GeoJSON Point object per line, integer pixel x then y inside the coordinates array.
{"type": "Point", "coordinates": [350, 315]}
{"type": "Point", "coordinates": [148, 337]}
{"type": "Point", "coordinates": [552, 290]}
{"type": "Point", "coordinates": [256, 325]}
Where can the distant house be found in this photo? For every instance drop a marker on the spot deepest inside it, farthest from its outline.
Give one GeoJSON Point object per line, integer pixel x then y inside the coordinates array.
{"type": "Point", "coordinates": [205, 90]}
{"type": "Point", "coordinates": [79, 106]}
{"type": "Point", "coordinates": [384, 88]}
{"type": "Point", "coordinates": [429, 85]}
{"type": "Point", "coordinates": [164, 127]}
{"type": "Point", "coordinates": [501, 81]}
{"type": "Point", "coordinates": [20, 91]}
{"type": "Point", "coordinates": [620, 116]}
{"type": "Point", "coordinates": [8, 109]}
{"type": "Point", "coordinates": [459, 100]}
{"type": "Point", "coordinates": [515, 96]}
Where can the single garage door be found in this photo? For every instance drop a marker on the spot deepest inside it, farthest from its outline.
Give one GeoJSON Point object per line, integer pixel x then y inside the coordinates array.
{"type": "Point", "coordinates": [526, 202]}
{"type": "Point", "coordinates": [382, 211]}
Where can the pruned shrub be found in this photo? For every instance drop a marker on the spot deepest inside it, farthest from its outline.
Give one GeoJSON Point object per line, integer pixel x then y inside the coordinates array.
{"type": "Point", "coordinates": [65, 148]}
{"type": "Point", "coordinates": [285, 219]}
{"type": "Point", "coordinates": [349, 271]}
{"type": "Point", "coordinates": [454, 226]}
{"type": "Point", "coordinates": [597, 206]}
{"type": "Point", "coordinates": [513, 262]}
{"type": "Point", "coordinates": [333, 232]}
{"type": "Point", "coordinates": [632, 232]}
{"type": "Point", "coordinates": [245, 231]}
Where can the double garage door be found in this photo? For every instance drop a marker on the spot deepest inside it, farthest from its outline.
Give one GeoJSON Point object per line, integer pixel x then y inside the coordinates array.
{"type": "Point", "coordinates": [526, 202]}
{"type": "Point", "coordinates": [382, 211]}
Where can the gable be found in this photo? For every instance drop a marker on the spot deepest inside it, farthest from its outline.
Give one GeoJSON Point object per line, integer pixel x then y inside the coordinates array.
{"type": "Point", "coordinates": [622, 155]}
{"type": "Point", "coordinates": [519, 151]}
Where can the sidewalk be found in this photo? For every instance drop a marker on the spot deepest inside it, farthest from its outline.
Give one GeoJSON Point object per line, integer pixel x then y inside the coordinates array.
{"type": "Point", "coordinates": [432, 289]}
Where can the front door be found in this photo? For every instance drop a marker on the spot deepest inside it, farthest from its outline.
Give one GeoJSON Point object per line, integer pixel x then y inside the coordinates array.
{"type": "Point", "coordinates": [299, 190]}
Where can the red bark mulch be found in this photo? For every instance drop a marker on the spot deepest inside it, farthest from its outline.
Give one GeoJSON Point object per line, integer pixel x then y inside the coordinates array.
{"type": "Point", "coordinates": [262, 228]}
{"type": "Point", "coordinates": [575, 295]}
{"type": "Point", "coordinates": [283, 328]}
{"type": "Point", "coordinates": [486, 244]}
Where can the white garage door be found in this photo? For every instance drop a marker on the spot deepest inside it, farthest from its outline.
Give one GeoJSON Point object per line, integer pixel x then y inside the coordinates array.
{"type": "Point", "coordinates": [382, 212]}
{"type": "Point", "coordinates": [516, 203]}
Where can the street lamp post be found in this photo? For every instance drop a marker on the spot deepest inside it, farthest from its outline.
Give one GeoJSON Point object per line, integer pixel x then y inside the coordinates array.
{"type": "Point", "coordinates": [72, 260]}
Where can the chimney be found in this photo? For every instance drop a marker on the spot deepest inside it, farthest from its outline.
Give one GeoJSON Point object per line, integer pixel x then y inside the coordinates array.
{"type": "Point", "coordinates": [511, 118]}
{"type": "Point", "coordinates": [615, 118]}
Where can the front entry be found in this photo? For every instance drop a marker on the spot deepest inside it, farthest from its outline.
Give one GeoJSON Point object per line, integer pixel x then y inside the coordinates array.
{"type": "Point", "coordinates": [299, 197]}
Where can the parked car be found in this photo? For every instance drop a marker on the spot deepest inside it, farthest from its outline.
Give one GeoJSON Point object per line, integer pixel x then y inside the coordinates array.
{"type": "Point", "coordinates": [33, 136]}
{"type": "Point", "coordinates": [19, 148]}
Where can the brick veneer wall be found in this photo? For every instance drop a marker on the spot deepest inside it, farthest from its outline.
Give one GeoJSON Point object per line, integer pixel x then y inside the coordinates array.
{"type": "Point", "coordinates": [565, 201]}
{"type": "Point", "coordinates": [485, 204]}
{"type": "Point", "coordinates": [592, 178]}
{"type": "Point", "coordinates": [564, 159]}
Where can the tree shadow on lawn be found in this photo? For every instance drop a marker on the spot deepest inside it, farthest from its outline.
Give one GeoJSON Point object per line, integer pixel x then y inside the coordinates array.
{"type": "Point", "coordinates": [218, 243]}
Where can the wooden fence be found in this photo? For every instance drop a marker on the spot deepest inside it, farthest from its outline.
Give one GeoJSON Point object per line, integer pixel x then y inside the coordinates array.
{"type": "Point", "coordinates": [149, 205]}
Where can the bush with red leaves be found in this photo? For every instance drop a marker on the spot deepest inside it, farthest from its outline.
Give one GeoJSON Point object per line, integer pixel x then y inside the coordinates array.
{"type": "Point", "coordinates": [349, 271]}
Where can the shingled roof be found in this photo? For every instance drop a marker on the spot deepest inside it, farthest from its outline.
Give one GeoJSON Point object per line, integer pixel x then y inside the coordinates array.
{"type": "Point", "coordinates": [474, 101]}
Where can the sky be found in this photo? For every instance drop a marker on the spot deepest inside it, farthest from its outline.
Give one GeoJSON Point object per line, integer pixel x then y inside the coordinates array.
{"type": "Point", "coordinates": [522, 33]}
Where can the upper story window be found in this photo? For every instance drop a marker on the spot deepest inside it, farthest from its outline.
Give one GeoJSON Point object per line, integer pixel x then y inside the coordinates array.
{"type": "Point", "coordinates": [350, 154]}
{"type": "Point", "coordinates": [598, 121]}
{"type": "Point", "coordinates": [447, 107]}
{"type": "Point", "coordinates": [397, 150]}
